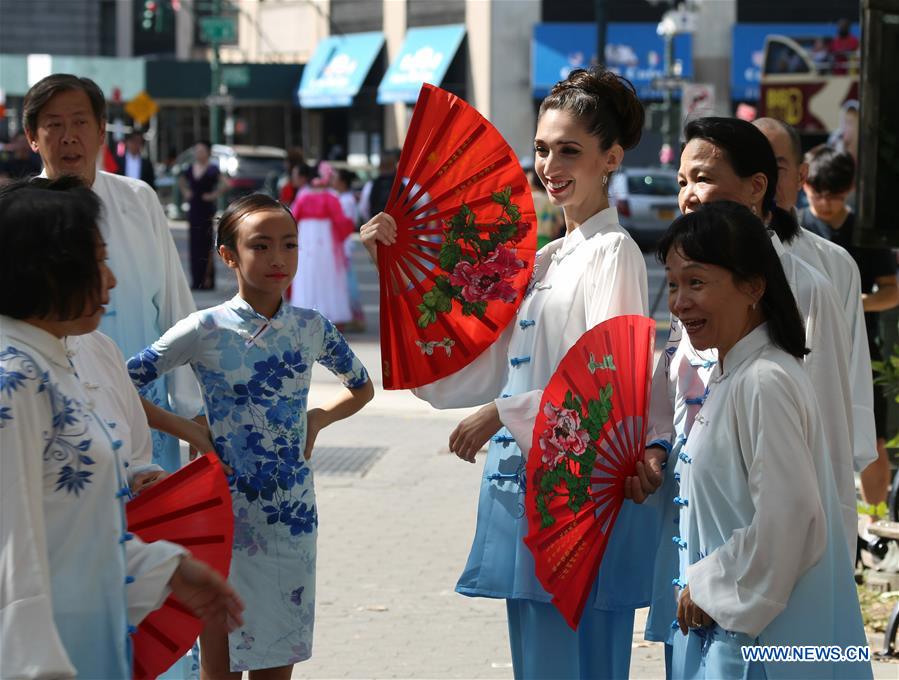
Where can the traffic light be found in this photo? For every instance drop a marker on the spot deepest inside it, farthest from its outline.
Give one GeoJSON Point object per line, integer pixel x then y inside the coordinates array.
{"type": "Point", "coordinates": [150, 10]}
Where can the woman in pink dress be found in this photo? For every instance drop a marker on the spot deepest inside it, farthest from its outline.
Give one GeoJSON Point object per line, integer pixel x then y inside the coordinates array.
{"type": "Point", "coordinates": [321, 281]}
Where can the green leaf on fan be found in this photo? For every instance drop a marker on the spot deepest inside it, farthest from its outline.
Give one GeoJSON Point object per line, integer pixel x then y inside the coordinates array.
{"type": "Point", "coordinates": [450, 254]}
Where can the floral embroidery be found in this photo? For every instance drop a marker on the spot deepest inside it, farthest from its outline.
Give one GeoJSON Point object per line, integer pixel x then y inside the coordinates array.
{"type": "Point", "coordinates": [480, 269]}
{"type": "Point", "coordinates": [568, 443]}
{"type": "Point", "coordinates": [428, 347]}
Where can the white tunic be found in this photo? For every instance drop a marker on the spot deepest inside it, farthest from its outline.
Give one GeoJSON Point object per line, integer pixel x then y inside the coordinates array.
{"type": "Point", "coordinates": [101, 368]}
{"type": "Point", "coordinates": [837, 265]}
{"type": "Point", "coordinates": [152, 292]}
{"type": "Point", "coordinates": [67, 564]}
{"type": "Point", "coordinates": [760, 532]}
{"type": "Point", "coordinates": [595, 273]}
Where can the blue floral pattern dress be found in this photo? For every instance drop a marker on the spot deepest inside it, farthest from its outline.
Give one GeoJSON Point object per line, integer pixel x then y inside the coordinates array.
{"type": "Point", "coordinates": [254, 373]}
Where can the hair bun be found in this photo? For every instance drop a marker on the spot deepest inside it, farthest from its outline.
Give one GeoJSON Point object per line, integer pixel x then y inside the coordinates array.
{"type": "Point", "coordinates": [607, 99]}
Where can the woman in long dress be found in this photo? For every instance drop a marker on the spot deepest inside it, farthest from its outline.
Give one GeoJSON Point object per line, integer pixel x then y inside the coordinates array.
{"type": "Point", "coordinates": [762, 551]}
{"type": "Point", "coordinates": [201, 184]}
{"type": "Point", "coordinates": [594, 273]}
{"type": "Point", "coordinates": [321, 280]}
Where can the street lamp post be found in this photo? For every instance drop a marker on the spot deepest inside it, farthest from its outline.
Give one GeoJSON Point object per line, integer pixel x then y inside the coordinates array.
{"type": "Point", "coordinates": [215, 74]}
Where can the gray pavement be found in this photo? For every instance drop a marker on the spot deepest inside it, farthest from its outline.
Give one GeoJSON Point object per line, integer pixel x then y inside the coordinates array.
{"type": "Point", "coordinates": [393, 542]}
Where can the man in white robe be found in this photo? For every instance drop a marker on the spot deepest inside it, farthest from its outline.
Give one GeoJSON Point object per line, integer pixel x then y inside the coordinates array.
{"type": "Point", "coordinates": [65, 122]}
{"type": "Point", "coordinates": [837, 266]}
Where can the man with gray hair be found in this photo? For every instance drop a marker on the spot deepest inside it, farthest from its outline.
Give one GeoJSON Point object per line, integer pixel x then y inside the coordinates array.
{"type": "Point", "coordinates": [65, 121]}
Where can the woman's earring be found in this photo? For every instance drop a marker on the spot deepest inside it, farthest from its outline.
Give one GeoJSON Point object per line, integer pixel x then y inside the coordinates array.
{"type": "Point", "coordinates": [605, 180]}
{"type": "Point", "coordinates": [754, 210]}
{"type": "Point", "coordinates": [754, 305]}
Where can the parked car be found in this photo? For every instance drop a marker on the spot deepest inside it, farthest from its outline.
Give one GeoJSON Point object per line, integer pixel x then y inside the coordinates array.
{"type": "Point", "coordinates": [646, 199]}
{"type": "Point", "coordinates": [246, 169]}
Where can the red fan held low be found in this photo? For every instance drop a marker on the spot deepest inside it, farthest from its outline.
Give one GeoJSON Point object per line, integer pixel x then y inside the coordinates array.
{"type": "Point", "coordinates": [465, 245]}
{"type": "Point", "coordinates": [192, 508]}
{"type": "Point", "coordinates": [588, 437]}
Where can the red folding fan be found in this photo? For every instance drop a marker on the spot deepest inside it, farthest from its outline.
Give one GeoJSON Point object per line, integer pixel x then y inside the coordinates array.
{"type": "Point", "coordinates": [192, 508]}
{"type": "Point", "coordinates": [465, 245]}
{"type": "Point", "coordinates": [588, 437]}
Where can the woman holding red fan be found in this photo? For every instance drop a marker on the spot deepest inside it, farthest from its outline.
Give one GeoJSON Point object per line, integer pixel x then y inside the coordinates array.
{"type": "Point", "coordinates": [73, 577]}
{"type": "Point", "coordinates": [594, 273]}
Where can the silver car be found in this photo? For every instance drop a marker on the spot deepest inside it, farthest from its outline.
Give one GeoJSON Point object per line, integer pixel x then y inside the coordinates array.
{"type": "Point", "coordinates": [646, 199]}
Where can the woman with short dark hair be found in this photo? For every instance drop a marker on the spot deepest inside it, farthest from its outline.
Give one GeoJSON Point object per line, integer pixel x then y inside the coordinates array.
{"type": "Point", "coordinates": [762, 557]}
{"type": "Point", "coordinates": [73, 577]}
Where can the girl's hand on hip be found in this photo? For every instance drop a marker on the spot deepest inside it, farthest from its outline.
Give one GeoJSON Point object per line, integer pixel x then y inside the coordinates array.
{"type": "Point", "coordinates": [315, 421]}
{"type": "Point", "coordinates": [379, 229]}
{"type": "Point", "coordinates": [473, 432]}
{"type": "Point", "coordinates": [689, 615]}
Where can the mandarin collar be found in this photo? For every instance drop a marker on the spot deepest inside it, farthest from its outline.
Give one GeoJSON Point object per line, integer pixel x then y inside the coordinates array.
{"type": "Point", "coordinates": [745, 348]}
{"type": "Point", "coordinates": [602, 222]}
{"type": "Point", "coordinates": [46, 344]}
{"type": "Point", "coordinates": [246, 311]}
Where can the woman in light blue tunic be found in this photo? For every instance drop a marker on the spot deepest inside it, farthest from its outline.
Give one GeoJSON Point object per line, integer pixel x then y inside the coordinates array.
{"type": "Point", "coordinates": [761, 544]}
{"type": "Point", "coordinates": [253, 356]}
{"type": "Point", "coordinates": [592, 274]}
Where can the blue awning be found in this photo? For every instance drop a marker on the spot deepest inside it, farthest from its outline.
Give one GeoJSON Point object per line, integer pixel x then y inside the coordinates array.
{"type": "Point", "coordinates": [338, 68]}
{"type": "Point", "coordinates": [424, 58]}
{"type": "Point", "coordinates": [749, 51]}
{"type": "Point", "coordinates": [633, 50]}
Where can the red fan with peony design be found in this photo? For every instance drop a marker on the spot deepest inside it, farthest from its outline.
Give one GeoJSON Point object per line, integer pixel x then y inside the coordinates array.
{"type": "Point", "coordinates": [192, 508]}
{"type": "Point", "coordinates": [589, 434]}
{"type": "Point", "coordinates": [466, 239]}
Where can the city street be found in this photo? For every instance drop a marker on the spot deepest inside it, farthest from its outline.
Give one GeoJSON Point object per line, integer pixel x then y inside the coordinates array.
{"type": "Point", "coordinates": [397, 515]}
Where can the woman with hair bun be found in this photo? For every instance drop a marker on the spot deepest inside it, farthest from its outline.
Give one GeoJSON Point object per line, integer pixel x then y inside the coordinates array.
{"type": "Point", "coordinates": [593, 273]}
{"type": "Point", "coordinates": [726, 159]}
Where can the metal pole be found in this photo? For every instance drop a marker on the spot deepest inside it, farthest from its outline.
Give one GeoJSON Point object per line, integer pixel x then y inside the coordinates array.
{"type": "Point", "coordinates": [215, 84]}
{"type": "Point", "coordinates": [668, 125]}
{"type": "Point", "coordinates": [599, 14]}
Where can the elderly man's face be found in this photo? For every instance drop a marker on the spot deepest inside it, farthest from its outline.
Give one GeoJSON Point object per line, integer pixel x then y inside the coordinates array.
{"type": "Point", "coordinates": [68, 136]}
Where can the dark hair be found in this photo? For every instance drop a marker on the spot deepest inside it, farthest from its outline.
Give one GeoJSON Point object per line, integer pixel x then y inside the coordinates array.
{"type": "Point", "coordinates": [789, 130]}
{"type": "Point", "coordinates": [829, 171]}
{"type": "Point", "coordinates": [135, 134]}
{"type": "Point", "coordinates": [606, 103]}
{"type": "Point", "coordinates": [234, 213]}
{"type": "Point", "coordinates": [748, 151]}
{"type": "Point", "coordinates": [310, 172]}
{"type": "Point", "coordinates": [729, 235]}
{"type": "Point", "coordinates": [45, 89]}
{"type": "Point", "coordinates": [346, 176]}
{"type": "Point", "coordinates": [206, 143]}
{"type": "Point", "coordinates": [48, 248]}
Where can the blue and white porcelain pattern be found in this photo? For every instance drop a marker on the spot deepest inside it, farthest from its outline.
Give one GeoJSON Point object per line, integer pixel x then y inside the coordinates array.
{"type": "Point", "coordinates": [255, 373]}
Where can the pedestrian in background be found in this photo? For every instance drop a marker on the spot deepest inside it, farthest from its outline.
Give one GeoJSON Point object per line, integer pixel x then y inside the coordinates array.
{"type": "Point", "coordinates": [201, 184]}
{"type": "Point", "coordinates": [253, 356]}
{"type": "Point", "coordinates": [132, 163]}
{"type": "Point", "coordinates": [321, 278]}
{"type": "Point", "coordinates": [592, 274]}
{"type": "Point", "coordinates": [830, 180]}
{"type": "Point", "coordinates": [342, 183]}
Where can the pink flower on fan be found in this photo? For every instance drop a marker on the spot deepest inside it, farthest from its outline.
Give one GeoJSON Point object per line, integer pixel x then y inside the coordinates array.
{"type": "Point", "coordinates": [488, 280]}
{"type": "Point", "coordinates": [563, 435]}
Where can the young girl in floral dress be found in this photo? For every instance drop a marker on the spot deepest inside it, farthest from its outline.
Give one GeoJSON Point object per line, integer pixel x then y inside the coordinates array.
{"type": "Point", "coordinates": [253, 357]}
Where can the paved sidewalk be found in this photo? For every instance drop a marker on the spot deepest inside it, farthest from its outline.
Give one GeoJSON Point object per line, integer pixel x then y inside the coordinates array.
{"type": "Point", "coordinates": [391, 546]}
